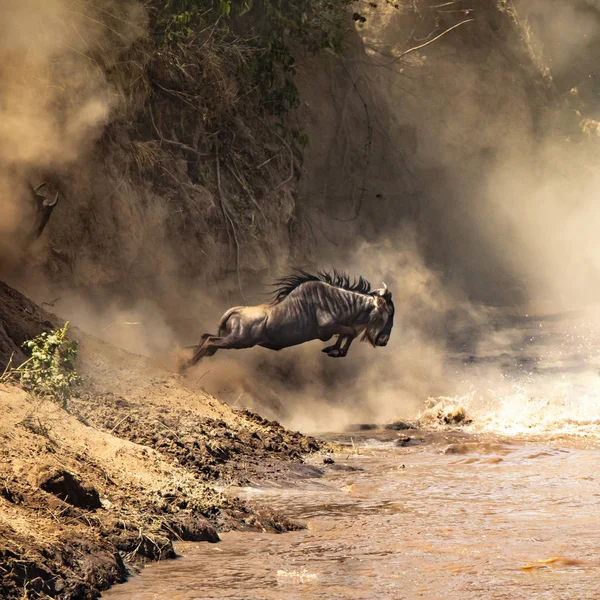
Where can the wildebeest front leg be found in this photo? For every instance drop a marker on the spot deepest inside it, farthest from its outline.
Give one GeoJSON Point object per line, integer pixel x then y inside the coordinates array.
{"type": "Point", "coordinates": [335, 346]}
{"type": "Point", "coordinates": [340, 351]}
{"type": "Point", "coordinates": [345, 337]}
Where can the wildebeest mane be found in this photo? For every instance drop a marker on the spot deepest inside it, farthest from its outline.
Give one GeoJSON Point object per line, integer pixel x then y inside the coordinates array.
{"type": "Point", "coordinates": [286, 285]}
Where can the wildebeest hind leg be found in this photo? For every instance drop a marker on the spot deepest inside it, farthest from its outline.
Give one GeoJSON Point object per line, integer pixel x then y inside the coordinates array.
{"type": "Point", "coordinates": [205, 349]}
{"type": "Point", "coordinates": [214, 342]}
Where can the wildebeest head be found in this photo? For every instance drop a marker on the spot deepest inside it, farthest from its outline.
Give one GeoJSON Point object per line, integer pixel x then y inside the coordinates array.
{"type": "Point", "coordinates": [380, 325]}
{"type": "Point", "coordinates": [42, 206]}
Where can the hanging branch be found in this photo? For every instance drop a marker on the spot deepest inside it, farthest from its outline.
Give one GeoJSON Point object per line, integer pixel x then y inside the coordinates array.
{"type": "Point", "coordinates": [228, 218]}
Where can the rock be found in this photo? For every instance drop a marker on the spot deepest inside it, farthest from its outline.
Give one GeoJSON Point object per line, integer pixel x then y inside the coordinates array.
{"type": "Point", "coordinates": [192, 528]}
{"type": "Point", "coordinates": [348, 468]}
{"type": "Point", "coordinates": [457, 449]}
{"type": "Point", "coordinates": [362, 427]}
{"type": "Point", "coordinates": [408, 441]}
{"type": "Point", "coordinates": [399, 426]}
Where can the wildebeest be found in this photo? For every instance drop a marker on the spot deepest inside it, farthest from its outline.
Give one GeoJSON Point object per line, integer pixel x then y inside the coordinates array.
{"type": "Point", "coordinates": [42, 208]}
{"type": "Point", "coordinates": [307, 307]}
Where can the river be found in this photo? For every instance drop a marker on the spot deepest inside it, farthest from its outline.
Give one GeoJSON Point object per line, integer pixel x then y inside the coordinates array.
{"type": "Point", "coordinates": [505, 507]}
{"type": "Point", "coordinates": [449, 515]}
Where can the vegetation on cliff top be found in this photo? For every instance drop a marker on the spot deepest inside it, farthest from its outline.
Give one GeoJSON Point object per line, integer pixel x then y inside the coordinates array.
{"type": "Point", "coordinates": [207, 127]}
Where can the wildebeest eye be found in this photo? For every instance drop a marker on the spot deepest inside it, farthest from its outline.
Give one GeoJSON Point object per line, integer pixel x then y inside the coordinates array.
{"type": "Point", "coordinates": [380, 303]}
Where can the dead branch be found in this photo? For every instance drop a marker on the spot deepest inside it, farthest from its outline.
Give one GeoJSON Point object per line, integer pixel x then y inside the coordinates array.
{"type": "Point", "coordinates": [229, 219]}
{"type": "Point", "coordinates": [421, 46]}
{"type": "Point", "coordinates": [247, 189]}
{"type": "Point", "coordinates": [52, 303]}
{"type": "Point", "coordinates": [367, 152]}
{"type": "Point", "coordinates": [291, 175]}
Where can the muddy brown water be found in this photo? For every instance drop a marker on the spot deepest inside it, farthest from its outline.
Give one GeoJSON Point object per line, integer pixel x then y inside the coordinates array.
{"type": "Point", "coordinates": [451, 515]}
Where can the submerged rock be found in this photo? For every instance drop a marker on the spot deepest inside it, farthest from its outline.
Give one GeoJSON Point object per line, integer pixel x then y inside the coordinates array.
{"type": "Point", "coordinates": [408, 441]}
{"type": "Point", "coordinates": [192, 528]}
{"type": "Point", "coordinates": [362, 427]}
{"type": "Point", "coordinates": [399, 425]}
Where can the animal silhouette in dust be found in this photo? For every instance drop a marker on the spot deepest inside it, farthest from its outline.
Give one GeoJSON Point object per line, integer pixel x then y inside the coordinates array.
{"type": "Point", "coordinates": [306, 307]}
{"type": "Point", "coordinates": [42, 208]}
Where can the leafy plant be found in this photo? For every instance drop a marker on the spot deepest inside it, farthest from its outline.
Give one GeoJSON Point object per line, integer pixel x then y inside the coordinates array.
{"type": "Point", "coordinates": [266, 26]}
{"type": "Point", "coordinates": [302, 139]}
{"type": "Point", "coordinates": [50, 371]}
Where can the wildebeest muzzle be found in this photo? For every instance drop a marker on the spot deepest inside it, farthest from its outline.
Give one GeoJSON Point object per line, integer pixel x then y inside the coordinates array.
{"type": "Point", "coordinates": [382, 339]}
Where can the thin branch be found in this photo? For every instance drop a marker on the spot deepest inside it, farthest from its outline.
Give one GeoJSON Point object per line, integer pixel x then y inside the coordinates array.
{"type": "Point", "coordinates": [117, 425]}
{"type": "Point", "coordinates": [291, 176]}
{"type": "Point", "coordinates": [203, 374]}
{"type": "Point", "coordinates": [228, 217]}
{"type": "Point", "coordinates": [122, 323]}
{"type": "Point", "coordinates": [421, 46]}
{"type": "Point", "coordinates": [367, 154]}
{"type": "Point", "coordinates": [7, 371]}
{"type": "Point", "coordinates": [320, 228]}
{"type": "Point", "coordinates": [246, 189]}
{"type": "Point", "coordinates": [52, 303]}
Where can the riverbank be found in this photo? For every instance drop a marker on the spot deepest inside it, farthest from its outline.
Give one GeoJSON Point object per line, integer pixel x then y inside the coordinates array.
{"type": "Point", "coordinates": [140, 460]}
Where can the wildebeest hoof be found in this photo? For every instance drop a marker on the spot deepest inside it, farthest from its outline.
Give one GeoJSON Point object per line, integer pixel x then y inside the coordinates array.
{"type": "Point", "coordinates": [183, 366]}
{"type": "Point", "coordinates": [337, 353]}
{"type": "Point", "coordinates": [328, 349]}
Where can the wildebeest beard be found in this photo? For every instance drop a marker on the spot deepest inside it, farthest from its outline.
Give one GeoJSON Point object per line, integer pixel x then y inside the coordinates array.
{"type": "Point", "coordinates": [379, 324]}
{"type": "Point", "coordinates": [307, 307]}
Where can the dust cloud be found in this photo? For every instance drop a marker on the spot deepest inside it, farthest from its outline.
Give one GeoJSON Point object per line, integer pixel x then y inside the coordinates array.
{"type": "Point", "coordinates": [478, 206]}
{"type": "Point", "coordinates": [313, 392]}
{"type": "Point", "coordinates": [55, 98]}
{"type": "Point", "coordinates": [501, 239]}
{"type": "Point", "coordinates": [503, 245]}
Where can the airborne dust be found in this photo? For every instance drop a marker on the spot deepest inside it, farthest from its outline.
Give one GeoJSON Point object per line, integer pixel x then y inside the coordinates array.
{"type": "Point", "coordinates": [465, 186]}
{"type": "Point", "coordinates": [55, 99]}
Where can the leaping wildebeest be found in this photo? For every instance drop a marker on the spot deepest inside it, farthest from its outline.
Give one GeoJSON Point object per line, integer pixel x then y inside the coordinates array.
{"type": "Point", "coordinates": [306, 307]}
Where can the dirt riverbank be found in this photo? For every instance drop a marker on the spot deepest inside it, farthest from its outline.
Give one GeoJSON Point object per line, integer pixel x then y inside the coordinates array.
{"type": "Point", "coordinates": [141, 459]}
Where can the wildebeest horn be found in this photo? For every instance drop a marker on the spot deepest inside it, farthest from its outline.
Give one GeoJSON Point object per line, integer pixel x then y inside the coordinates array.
{"type": "Point", "coordinates": [385, 288]}
{"type": "Point", "coordinates": [39, 187]}
{"type": "Point", "coordinates": [51, 203]}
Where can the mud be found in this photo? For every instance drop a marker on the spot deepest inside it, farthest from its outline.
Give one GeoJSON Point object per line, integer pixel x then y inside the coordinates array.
{"type": "Point", "coordinates": [210, 448]}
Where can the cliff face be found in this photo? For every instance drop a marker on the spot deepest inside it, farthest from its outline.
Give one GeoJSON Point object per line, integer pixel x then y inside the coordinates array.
{"type": "Point", "coordinates": [189, 162]}
{"type": "Point", "coordinates": [165, 135]}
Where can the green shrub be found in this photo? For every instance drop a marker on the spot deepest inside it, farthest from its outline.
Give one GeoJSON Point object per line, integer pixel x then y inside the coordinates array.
{"type": "Point", "coordinates": [50, 371]}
